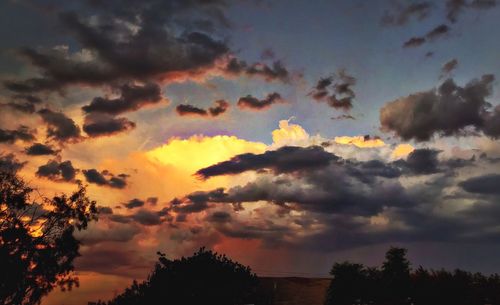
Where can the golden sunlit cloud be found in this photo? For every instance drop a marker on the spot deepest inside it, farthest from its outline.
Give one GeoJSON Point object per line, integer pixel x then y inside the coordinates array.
{"type": "Point", "coordinates": [199, 151]}
{"type": "Point", "coordinates": [360, 141]}
{"type": "Point", "coordinates": [287, 134]}
{"type": "Point", "coordinates": [402, 150]}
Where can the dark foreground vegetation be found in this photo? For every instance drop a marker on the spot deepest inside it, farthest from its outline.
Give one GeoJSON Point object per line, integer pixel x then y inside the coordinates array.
{"type": "Point", "coordinates": [37, 245]}
{"type": "Point", "coordinates": [394, 283]}
{"type": "Point", "coordinates": [204, 278]}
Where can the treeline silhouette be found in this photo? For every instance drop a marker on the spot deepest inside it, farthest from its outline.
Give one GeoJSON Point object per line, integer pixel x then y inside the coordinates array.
{"type": "Point", "coordinates": [394, 283]}
{"type": "Point", "coordinates": [204, 278]}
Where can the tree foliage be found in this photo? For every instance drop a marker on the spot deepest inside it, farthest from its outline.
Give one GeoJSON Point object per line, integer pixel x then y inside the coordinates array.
{"type": "Point", "coordinates": [396, 284]}
{"type": "Point", "coordinates": [204, 278]}
{"type": "Point", "coordinates": [37, 245]}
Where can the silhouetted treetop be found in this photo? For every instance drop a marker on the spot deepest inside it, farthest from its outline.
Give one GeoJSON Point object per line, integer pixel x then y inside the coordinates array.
{"type": "Point", "coordinates": [37, 245]}
{"type": "Point", "coordinates": [203, 278]}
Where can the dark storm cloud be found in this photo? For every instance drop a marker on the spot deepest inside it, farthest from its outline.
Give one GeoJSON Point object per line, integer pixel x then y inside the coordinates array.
{"type": "Point", "coordinates": [401, 13]}
{"type": "Point", "coordinates": [196, 202]}
{"type": "Point", "coordinates": [344, 196]}
{"type": "Point", "coordinates": [98, 125]}
{"type": "Point", "coordinates": [22, 133]}
{"type": "Point", "coordinates": [422, 161]}
{"type": "Point", "coordinates": [59, 126]}
{"type": "Point", "coordinates": [250, 102]}
{"type": "Point", "coordinates": [219, 107]}
{"type": "Point", "coordinates": [448, 110]}
{"type": "Point", "coordinates": [284, 159]}
{"type": "Point", "coordinates": [32, 99]}
{"type": "Point", "coordinates": [336, 90]}
{"type": "Point", "coordinates": [487, 184]}
{"type": "Point", "coordinates": [270, 73]}
{"type": "Point", "coordinates": [21, 107]}
{"type": "Point", "coordinates": [132, 97]}
{"type": "Point", "coordinates": [134, 203]}
{"type": "Point", "coordinates": [39, 149]}
{"type": "Point", "coordinates": [449, 66]}
{"type": "Point", "coordinates": [219, 217]}
{"type": "Point", "coordinates": [57, 171]}
{"type": "Point", "coordinates": [9, 163]}
{"type": "Point", "coordinates": [105, 178]}
{"type": "Point", "coordinates": [146, 218]}
{"type": "Point", "coordinates": [117, 233]}
{"type": "Point", "coordinates": [145, 40]}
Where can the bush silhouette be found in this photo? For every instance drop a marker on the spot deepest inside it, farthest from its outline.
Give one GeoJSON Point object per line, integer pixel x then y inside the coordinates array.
{"type": "Point", "coordinates": [37, 246]}
{"type": "Point", "coordinates": [204, 278]}
{"type": "Point", "coordinates": [396, 284]}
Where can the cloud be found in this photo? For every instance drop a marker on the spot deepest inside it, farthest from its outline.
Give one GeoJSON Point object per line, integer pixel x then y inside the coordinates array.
{"type": "Point", "coordinates": [105, 178]}
{"type": "Point", "coordinates": [336, 90]}
{"type": "Point", "coordinates": [22, 133]}
{"type": "Point", "coordinates": [276, 71]}
{"type": "Point", "coordinates": [57, 171]}
{"type": "Point", "coordinates": [436, 33]}
{"type": "Point", "coordinates": [343, 117]}
{"type": "Point", "coordinates": [449, 66]}
{"type": "Point", "coordinates": [455, 7]}
{"type": "Point", "coordinates": [147, 218]}
{"type": "Point", "coordinates": [152, 200]}
{"type": "Point", "coordinates": [132, 98]}
{"type": "Point", "coordinates": [134, 203]}
{"type": "Point", "coordinates": [220, 106]}
{"type": "Point", "coordinates": [9, 163]}
{"type": "Point", "coordinates": [446, 111]}
{"type": "Point", "coordinates": [143, 41]}
{"type": "Point", "coordinates": [186, 109]}
{"type": "Point", "coordinates": [360, 141]}
{"type": "Point", "coordinates": [486, 184]}
{"type": "Point", "coordinates": [60, 127]}
{"type": "Point", "coordinates": [414, 42]}
{"type": "Point", "coordinates": [219, 217]}
{"type": "Point", "coordinates": [39, 149]}
{"type": "Point", "coordinates": [401, 13]}
{"type": "Point", "coordinates": [252, 103]}
{"type": "Point", "coordinates": [98, 125]}
{"type": "Point", "coordinates": [284, 159]}
{"type": "Point", "coordinates": [106, 231]}
{"type": "Point", "coordinates": [422, 161]}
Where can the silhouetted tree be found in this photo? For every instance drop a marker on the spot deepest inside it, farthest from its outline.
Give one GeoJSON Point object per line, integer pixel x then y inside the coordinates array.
{"type": "Point", "coordinates": [37, 246]}
{"type": "Point", "coordinates": [204, 278]}
{"type": "Point", "coordinates": [348, 284]}
{"type": "Point", "coordinates": [396, 276]}
{"type": "Point", "coordinates": [396, 284]}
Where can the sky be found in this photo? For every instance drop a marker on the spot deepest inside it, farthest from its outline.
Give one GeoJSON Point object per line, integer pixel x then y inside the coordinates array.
{"type": "Point", "coordinates": [285, 134]}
